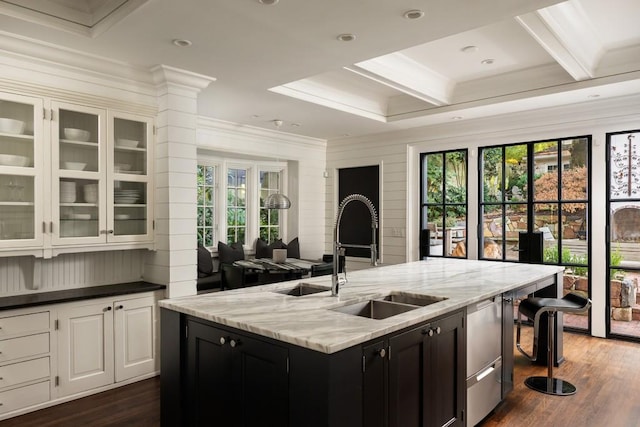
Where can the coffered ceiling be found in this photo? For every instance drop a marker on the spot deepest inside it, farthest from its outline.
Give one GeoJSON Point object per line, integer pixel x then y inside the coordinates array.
{"type": "Point", "coordinates": [460, 60]}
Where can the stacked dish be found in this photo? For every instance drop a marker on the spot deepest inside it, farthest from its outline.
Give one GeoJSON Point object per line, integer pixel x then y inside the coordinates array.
{"type": "Point", "coordinates": [67, 192]}
{"type": "Point", "coordinates": [127, 143]}
{"type": "Point", "coordinates": [125, 197]}
{"type": "Point", "coordinates": [90, 193]}
{"type": "Point", "coordinates": [76, 134]}
{"type": "Point", "coordinates": [14, 160]}
{"type": "Point", "coordinates": [76, 166]}
{"type": "Point", "coordinates": [121, 167]}
{"type": "Point", "coordinates": [11, 126]}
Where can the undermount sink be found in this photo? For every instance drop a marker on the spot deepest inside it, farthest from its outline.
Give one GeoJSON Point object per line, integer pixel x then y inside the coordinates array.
{"type": "Point", "coordinates": [302, 289]}
{"type": "Point", "coordinates": [413, 299]}
{"type": "Point", "coordinates": [375, 309]}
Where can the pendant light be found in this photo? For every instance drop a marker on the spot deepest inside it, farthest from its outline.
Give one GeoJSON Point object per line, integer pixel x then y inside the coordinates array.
{"type": "Point", "coordinates": [277, 200]}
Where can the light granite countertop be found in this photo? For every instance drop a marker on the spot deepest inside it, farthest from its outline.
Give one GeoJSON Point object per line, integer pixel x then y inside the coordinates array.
{"type": "Point", "coordinates": [309, 322]}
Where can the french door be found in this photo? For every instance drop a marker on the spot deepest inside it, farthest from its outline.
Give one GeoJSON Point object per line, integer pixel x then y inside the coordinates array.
{"type": "Point", "coordinates": [623, 234]}
{"type": "Point", "coordinates": [539, 192]}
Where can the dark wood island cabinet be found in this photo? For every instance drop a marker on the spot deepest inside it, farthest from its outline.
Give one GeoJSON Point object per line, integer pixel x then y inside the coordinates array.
{"type": "Point", "coordinates": [217, 375]}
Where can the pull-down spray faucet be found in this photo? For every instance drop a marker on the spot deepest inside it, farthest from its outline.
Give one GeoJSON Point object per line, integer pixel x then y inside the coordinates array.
{"type": "Point", "coordinates": [336, 281]}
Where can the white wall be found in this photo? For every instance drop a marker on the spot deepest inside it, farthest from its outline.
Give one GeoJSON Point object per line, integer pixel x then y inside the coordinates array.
{"type": "Point", "coordinates": [399, 152]}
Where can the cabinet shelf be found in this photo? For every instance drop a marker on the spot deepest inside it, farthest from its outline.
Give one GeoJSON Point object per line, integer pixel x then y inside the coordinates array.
{"type": "Point", "coordinates": [17, 204]}
{"type": "Point", "coordinates": [136, 149]}
{"type": "Point", "coordinates": [86, 144]}
{"type": "Point", "coordinates": [16, 136]}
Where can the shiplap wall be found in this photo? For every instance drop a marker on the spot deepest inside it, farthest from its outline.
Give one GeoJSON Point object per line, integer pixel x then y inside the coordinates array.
{"type": "Point", "coordinates": [69, 271]}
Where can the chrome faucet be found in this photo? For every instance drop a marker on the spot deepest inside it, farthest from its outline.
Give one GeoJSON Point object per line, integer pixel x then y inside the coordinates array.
{"type": "Point", "coordinates": [338, 247]}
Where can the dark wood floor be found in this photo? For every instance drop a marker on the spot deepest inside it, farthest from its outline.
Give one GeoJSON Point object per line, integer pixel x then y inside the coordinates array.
{"type": "Point", "coordinates": [606, 373]}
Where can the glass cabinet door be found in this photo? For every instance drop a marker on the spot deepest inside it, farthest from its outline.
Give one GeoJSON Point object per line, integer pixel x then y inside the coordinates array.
{"type": "Point", "coordinates": [130, 179]}
{"type": "Point", "coordinates": [78, 168]}
{"type": "Point", "coordinates": [20, 180]}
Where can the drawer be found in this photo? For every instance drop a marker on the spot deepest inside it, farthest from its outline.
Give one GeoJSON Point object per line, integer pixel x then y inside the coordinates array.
{"type": "Point", "coordinates": [23, 397]}
{"type": "Point", "coordinates": [18, 373]}
{"type": "Point", "coordinates": [16, 348]}
{"type": "Point", "coordinates": [24, 324]}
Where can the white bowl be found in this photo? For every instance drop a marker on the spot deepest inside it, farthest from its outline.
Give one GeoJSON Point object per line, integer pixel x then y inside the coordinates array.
{"type": "Point", "coordinates": [128, 143]}
{"type": "Point", "coordinates": [120, 167]}
{"type": "Point", "coordinates": [76, 134]}
{"type": "Point", "coordinates": [11, 126]}
{"type": "Point", "coordinates": [76, 166]}
{"type": "Point", "coordinates": [13, 160]}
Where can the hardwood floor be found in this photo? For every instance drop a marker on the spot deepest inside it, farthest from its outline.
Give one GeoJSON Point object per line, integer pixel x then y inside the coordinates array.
{"type": "Point", "coordinates": [136, 405]}
{"type": "Point", "coordinates": [606, 373]}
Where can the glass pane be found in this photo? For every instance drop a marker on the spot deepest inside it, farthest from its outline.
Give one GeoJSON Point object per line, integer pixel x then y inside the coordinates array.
{"type": "Point", "coordinates": [78, 141]}
{"type": "Point", "coordinates": [492, 174]}
{"type": "Point", "coordinates": [545, 158]}
{"type": "Point", "coordinates": [16, 134]}
{"type": "Point", "coordinates": [516, 173]}
{"type": "Point", "coordinates": [208, 196]}
{"type": "Point", "coordinates": [232, 178]}
{"type": "Point", "coordinates": [624, 153]}
{"type": "Point", "coordinates": [130, 210]}
{"type": "Point", "coordinates": [433, 169]}
{"type": "Point", "coordinates": [209, 176]}
{"type": "Point", "coordinates": [625, 234]}
{"type": "Point", "coordinates": [274, 217]}
{"type": "Point", "coordinates": [17, 206]}
{"type": "Point", "coordinates": [574, 172]}
{"type": "Point", "coordinates": [492, 232]}
{"type": "Point", "coordinates": [242, 197]}
{"type": "Point", "coordinates": [456, 178]}
{"type": "Point", "coordinates": [232, 199]}
{"type": "Point", "coordinates": [200, 193]}
{"type": "Point", "coordinates": [623, 292]}
{"type": "Point", "coordinates": [455, 231]}
{"type": "Point", "coordinates": [516, 221]}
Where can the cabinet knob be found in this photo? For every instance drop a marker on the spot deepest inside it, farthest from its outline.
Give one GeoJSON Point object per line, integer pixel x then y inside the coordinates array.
{"type": "Point", "coordinates": [107, 308]}
{"type": "Point", "coordinates": [120, 307]}
{"type": "Point", "coordinates": [438, 330]}
{"type": "Point", "coordinates": [110, 231]}
{"type": "Point", "coordinates": [382, 352]}
{"type": "Point", "coordinates": [223, 340]}
{"type": "Point", "coordinates": [234, 343]}
{"type": "Point", "coordinates": [430, 333]}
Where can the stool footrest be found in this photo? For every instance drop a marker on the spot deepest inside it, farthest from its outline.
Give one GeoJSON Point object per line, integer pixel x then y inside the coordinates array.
{"type": "Point", "coordinates": [554, 386]}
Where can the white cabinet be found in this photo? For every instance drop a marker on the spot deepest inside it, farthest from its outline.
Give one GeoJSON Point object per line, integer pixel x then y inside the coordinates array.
{"type": "Point", "coordinates": [106, 341]}
{"type": "Point", "coordinates": [25, 359]}
{"type": "Point", "coordinates": [21, 171]}
{"type": "Point", "coordinates": [95, 187]}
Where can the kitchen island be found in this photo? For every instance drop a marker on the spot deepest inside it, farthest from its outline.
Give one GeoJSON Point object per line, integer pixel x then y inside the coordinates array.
{"type": "Point", "coordinates": [260, 356]}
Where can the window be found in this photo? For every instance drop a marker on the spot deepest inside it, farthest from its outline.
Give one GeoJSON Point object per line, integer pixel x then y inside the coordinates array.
{"type": "Point", "coordinates": [207, 185]}
{"type": "Point", "coordinates": [269, 218]}
{"type": "Point", "coordinates": [231, 194]}
{"type": "Point", "coordinates": [236, 205]}
{"type": "Point", "coordinates": [444, 202]}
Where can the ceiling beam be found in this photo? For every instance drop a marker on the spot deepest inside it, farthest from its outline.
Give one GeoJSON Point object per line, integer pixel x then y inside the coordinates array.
{"type": "Point", "coordinates": [565, 32]}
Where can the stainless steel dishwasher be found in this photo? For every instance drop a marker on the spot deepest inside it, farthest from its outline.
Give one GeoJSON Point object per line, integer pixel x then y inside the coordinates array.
{"type": "Point", "coordinates": [484, 358]}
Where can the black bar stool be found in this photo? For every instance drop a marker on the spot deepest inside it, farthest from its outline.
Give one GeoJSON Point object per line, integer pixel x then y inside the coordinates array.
{"type": "Point", "coordinates": [533, 308]}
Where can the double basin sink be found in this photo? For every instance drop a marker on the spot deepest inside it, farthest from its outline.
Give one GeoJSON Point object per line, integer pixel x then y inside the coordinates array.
{"type": "Point", "coordinates": [379, 308]}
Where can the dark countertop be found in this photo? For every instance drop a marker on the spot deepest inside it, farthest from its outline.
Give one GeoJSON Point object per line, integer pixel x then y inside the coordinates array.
{"type": "Point", "coordinates": [55, 297]}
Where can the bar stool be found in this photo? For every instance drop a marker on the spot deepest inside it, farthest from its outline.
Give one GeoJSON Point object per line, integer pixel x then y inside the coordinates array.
{"type": "Point", "coordinates": [533, 308]}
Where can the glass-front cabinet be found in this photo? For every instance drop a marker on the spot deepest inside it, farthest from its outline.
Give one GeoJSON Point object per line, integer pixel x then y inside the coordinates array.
{"type": "Point", "coordinates": [72, 175]}
{"type": "Point", "coordinates": [21, 175]}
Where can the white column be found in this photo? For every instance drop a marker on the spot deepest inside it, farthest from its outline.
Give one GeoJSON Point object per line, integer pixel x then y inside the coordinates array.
{"type": "Point", "coordinates": [174, 262]}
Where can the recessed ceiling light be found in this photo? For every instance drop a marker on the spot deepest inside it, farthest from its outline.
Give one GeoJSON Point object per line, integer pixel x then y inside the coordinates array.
{"type": "Point", "coordinates": [413, 14]}
{"type": "Point", "coordinates": [595, 95]}
{"type": "Point", "coordinates": [268, 2]}
{"type": "Point", "coordinates": [469, 49]}
{"type": "Point", "coordinates": [255, 116]}
{"type": "Point", "coordinates": [295, 125]}
{"type": "Point", "coordinates": [487, 61]}
{"type": "Point", "coordinates": [346, 37]}
{"type": "Point", "coordinates": [182, 42]}
{"type": "Point", "coordinates": [456, 118]}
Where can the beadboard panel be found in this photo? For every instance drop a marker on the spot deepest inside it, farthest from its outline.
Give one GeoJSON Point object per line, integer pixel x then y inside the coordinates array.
{"type": "Point", "coordinates": [69, 271]}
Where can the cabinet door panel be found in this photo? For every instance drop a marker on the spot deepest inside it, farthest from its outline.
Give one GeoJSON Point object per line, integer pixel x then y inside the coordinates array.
{"type": "Point", "coordinates": [85, 347]}
{"type": "Point", "coordinates": [374, 385]}
{"type": "Point", "coordinates": [445, 392]}
{"type": "Point", "coordinates": [406, 373]}
{"type": "Point", "coordinates": [261, 383]}
{"type": "Point", "coordinates": [134, 337]}
{"type": "Point", "coordinates": [209, 377]}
